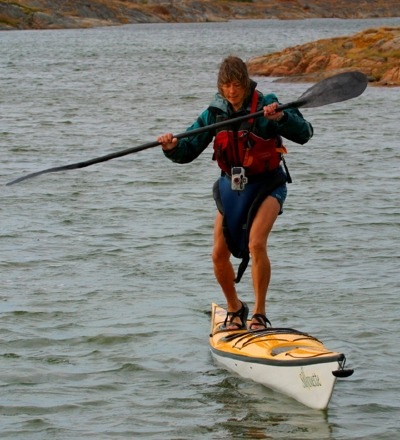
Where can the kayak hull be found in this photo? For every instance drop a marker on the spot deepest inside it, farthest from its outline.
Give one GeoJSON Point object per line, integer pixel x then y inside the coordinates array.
{"type": "Point", "coordinates": [285, 360]}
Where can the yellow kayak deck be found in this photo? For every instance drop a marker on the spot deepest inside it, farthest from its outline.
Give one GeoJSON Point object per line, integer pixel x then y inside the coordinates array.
{"type": "Point", "coordinates": [273, 346]}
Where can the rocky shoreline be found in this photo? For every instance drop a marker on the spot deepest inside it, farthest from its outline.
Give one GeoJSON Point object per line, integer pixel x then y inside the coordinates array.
{"type": "Point", "coordinates": [56, 14]}
{"type": "Point", "coordinates": [375, 52]}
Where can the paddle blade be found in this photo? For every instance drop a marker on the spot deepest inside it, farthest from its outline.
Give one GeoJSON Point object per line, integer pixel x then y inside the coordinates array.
{"type": "Point", "coordinates": [336, 88]}
{"type": "Point", "coordinates": [86, 163]}
{"type": "Point", "coordinates": [31, 175]}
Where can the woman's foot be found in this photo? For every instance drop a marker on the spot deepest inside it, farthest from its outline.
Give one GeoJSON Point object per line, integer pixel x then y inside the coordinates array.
{"type": "Point", "coordinates": [259, 322]}
{"type": "Point", "coordinates": [236, 320]}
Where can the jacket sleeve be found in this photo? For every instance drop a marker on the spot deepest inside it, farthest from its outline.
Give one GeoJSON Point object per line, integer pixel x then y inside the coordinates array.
{"type": "Point", "coordinates": [292, 126]}
{"type": "Point", "coordinates": [189, 148]}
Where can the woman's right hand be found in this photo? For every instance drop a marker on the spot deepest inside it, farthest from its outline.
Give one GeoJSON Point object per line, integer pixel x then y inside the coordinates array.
{"type": "Point", "coordinates": [167, 141]}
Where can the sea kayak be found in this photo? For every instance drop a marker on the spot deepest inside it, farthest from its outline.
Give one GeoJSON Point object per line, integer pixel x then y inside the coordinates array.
{"type": "Point", "coordinates": [283, 359]}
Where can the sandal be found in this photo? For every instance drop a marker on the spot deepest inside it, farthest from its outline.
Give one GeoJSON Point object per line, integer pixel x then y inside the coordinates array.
{"type": "Point", "coordinates": [242, 313]}
{"type": "Point", "coordinates": [261, 320]}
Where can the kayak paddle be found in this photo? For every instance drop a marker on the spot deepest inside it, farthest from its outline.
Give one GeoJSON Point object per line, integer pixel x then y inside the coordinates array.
{"type": "Point", "coordinates": [337, 88]}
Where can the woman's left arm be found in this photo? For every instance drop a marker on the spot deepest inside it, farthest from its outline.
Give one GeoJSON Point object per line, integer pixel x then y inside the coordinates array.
{"type": "Point", "coordinates": [290, 123]}
{"type": "Point", "coordinates": [294, 127]}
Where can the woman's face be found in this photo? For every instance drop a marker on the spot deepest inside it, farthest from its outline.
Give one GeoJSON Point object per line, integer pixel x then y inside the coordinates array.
{"type": "Point", "coordinates": [234, 93]}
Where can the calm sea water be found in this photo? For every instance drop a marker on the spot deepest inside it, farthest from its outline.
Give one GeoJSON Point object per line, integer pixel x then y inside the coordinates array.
{"type": "Point", "coordinates": [106, 279]}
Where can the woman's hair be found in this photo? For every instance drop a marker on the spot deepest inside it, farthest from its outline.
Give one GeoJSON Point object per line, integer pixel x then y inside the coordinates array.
{"type": "Point", "coordinates": [233, 69]}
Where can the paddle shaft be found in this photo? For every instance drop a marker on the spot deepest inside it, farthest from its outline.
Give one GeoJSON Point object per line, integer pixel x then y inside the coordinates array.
{"type": "Point", "coordinates": [106, 157]}
{"type": "Point", "coordinates": [337, 88]}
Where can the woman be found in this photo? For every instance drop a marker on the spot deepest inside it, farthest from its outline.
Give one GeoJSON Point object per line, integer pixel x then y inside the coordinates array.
{"type": "Point", "coordinates": [252, 188]}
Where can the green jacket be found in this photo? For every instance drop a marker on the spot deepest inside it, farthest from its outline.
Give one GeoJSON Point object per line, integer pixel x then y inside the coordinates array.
{"type": "Point", "coordinates": [292, 126]}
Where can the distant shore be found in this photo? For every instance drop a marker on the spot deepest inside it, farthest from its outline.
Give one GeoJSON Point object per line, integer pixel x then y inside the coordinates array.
{"type": "Point", "coordinates": [51, 14]}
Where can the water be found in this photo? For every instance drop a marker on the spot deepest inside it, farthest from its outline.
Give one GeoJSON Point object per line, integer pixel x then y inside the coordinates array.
{"type": "Point", "coordinates": [106, 279]}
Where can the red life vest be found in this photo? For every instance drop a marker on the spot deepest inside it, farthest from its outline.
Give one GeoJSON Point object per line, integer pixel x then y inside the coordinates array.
{"type": "Point", "coordinates": [243, 148]}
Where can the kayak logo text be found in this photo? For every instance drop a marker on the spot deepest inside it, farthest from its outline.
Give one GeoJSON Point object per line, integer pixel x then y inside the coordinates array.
{"type": "Point", "coordinates": [310, 381]}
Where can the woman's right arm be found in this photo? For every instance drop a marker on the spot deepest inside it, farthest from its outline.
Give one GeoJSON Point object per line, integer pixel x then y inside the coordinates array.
{"type": "Point", "coordinates": [187, 149]}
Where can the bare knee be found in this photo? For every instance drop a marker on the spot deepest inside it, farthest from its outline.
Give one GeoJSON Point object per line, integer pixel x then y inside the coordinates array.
{"type": "Point", "coordinates": [257, 246]}
{"type": "Point", "coordinates": [220, 254]}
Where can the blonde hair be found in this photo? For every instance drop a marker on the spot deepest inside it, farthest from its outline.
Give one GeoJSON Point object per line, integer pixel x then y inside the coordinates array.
{"type": "Point", "coordinates": [233, 69]}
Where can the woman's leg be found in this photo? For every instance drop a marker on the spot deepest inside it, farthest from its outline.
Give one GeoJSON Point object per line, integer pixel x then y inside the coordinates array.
{"type": "Point", "coordinates": [261, 266]}
{"type": "Point", "coordinates": [223, 268]}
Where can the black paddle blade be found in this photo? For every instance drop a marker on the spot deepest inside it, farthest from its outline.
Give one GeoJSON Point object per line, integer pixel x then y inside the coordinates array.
{"type": "Point", "coordinates": [38, 173]}
{"type": "Point", "coordinates": [86, 163]}
{"type": "Point", "coordinates": [336, 88]}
